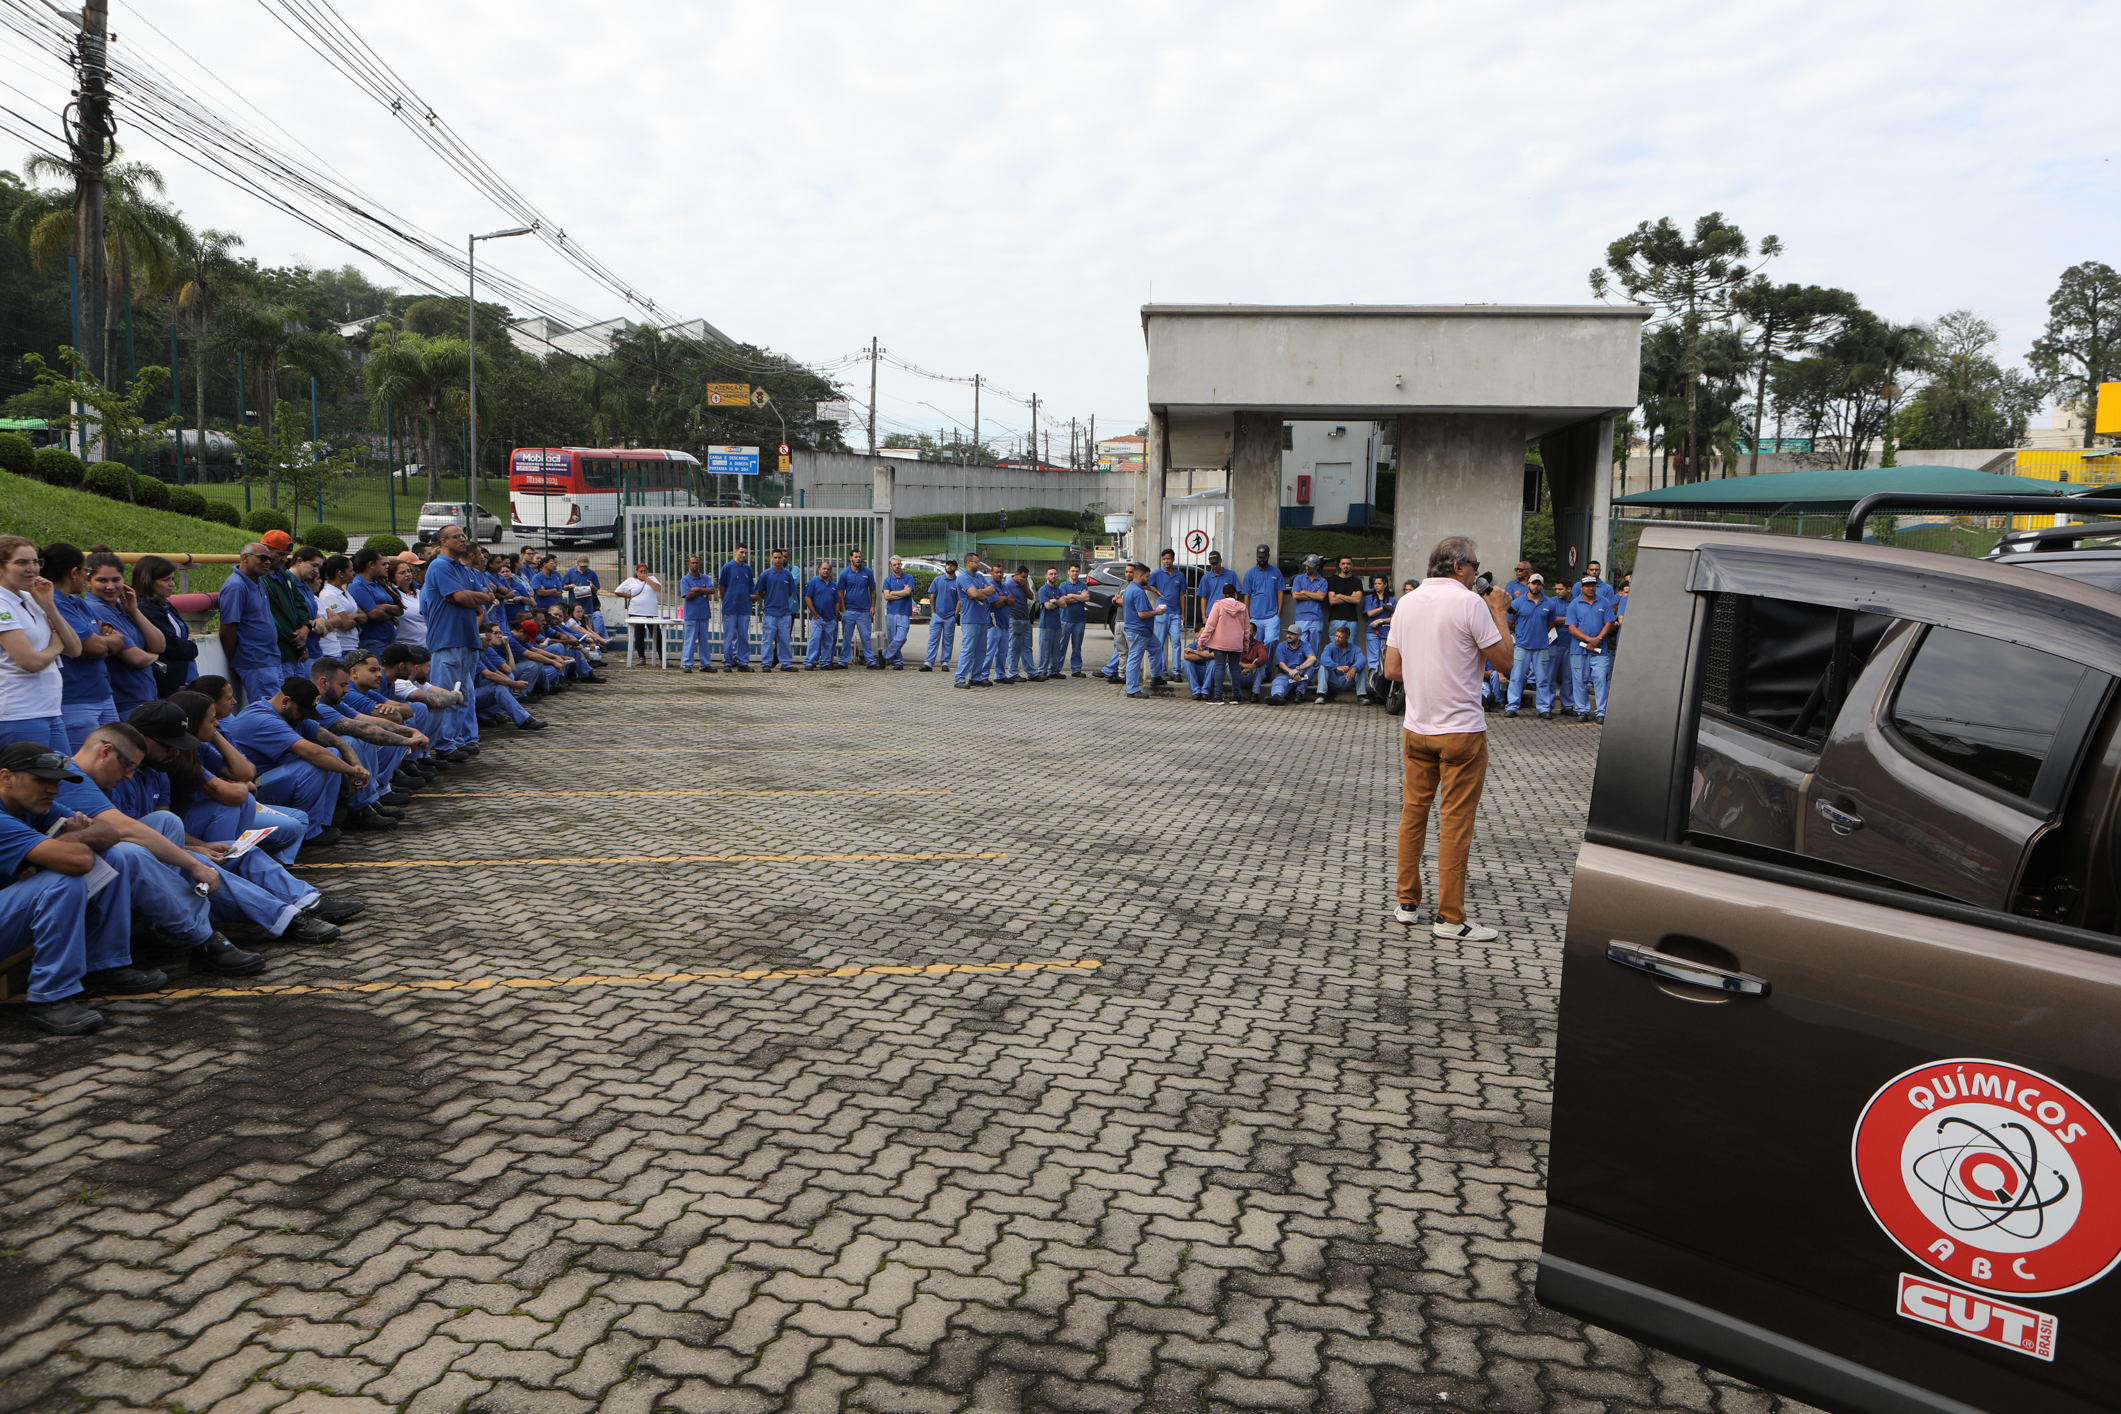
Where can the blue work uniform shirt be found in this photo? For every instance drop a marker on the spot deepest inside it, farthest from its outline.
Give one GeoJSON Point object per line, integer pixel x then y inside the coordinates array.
{"type": "Point", "coordinates": [1309, 611]}
{"type": "Point", "coordinates": [943, 590]}
{"type": "Point", "coordinates": [700, 607]}
{"type": "Point", "coordinates": [376, 634]}
{"type": "Point", "coordinates": [1378, 627]}
{"type": "Point", "coordinates": [859, 585]}
{"type": "Point", "coordinates": [17, 838]}
{"type": "Point", "coordinates": [1008, 598]}
{"type": "Point", "coordinates": [359, 702]}
{"type": "Point", "coordinates": [1077, 613]}
{"type": "Point", "coordinates": [824, 597]}
{"type": "Point", "coordinates": [1335, 656]}
{"type": "Point", "coordinates": [1289, 654]}
{"type": "Point", "coordinates": [546, 589]}
{"type": "Point", "coordinates": [1211, 586]}
{"type": "Point", "coordinates": [132, 684]}
{"type": "Point", "coordinates": [242, 603]}
{"type": "Point", "coordinates": [262, 734]}
{"type": "Point", "coordinates": [1170, 586]}
{"type": "Point", "coordinates": [1049, 605]}
{"type": "Point", "coordinates": [1588, 617]}
{"type": "Point", "coordinates": [1263, 588]}
{"type": "Point", "coordinates": [969, 609]}
{"type": "Point", "coordinates": [85, 681]}
{"type": "Point", "coordinates": [448, 625]}
{"type": "Point", "coordinates": [777, 591]}
{"type": "Point", "coordinates": [1517, 589]}
{"type": "Point", "coordinates": [1135, 602]}
{"type": "Point", "coordinates": [736, 581]}
{"type": "Point", "coordinates": [898, 608]}
{"type": "Point", "coordinates": [1532, 620]}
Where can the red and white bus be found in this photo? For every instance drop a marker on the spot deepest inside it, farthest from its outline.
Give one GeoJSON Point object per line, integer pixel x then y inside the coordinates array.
{"type": "Point", "coordinates": [574, 493]}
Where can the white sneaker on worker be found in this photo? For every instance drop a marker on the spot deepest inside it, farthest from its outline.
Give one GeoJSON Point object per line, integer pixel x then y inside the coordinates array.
{"type": "Point", "coordinates": [1463, 932]}
{"type": "Point", "coordinates": [1404, 914]}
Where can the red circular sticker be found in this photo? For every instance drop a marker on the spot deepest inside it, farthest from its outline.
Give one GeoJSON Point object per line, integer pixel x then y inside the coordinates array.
{"type": "Point", "coordinates": [1196, 542]}
{"type": "Point", "coordinates": [1992, 1175]}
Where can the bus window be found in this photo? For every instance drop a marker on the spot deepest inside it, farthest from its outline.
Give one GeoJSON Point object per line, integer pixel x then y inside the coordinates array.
{"type": "Point", "coordinates": [600, 473]}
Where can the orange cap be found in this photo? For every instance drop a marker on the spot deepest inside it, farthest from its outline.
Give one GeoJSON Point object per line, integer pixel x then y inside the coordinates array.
{"type": "Point", "coordinates": [278, 539]}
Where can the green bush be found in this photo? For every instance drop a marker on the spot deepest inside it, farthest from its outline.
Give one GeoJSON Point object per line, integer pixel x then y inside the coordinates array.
{"type": "Point", "coordinates": [17, 455]}
{"type": "Point", "coordinates": [387, 544]}
{"type": "Point", "coordinates": [221, 512]}
{"type": "Point", "coordinates": [59, 467]}
{"type": "Point", "coordinates": [266, 518]}
{"type": "Point", "coordinates": [152, 492]}
{"type": "Point", "coordinates": [328, 538]}
{"type": "Point", "coordinates": [187, 502]}
{"type": "Point", "coordinates": [112, 479]}
{"type": "Point", "coordinates": [1042, 516]}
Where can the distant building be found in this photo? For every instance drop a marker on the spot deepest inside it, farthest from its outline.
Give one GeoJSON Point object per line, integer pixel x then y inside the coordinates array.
{"type": "Point", "coordinates": [539, 336]}
{"type": "Point", "coordinates": [1122, 453]}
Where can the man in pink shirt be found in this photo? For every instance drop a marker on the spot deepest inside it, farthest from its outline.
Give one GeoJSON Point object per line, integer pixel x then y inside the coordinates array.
{"type": "Point", "coordinates": [1444, 636]}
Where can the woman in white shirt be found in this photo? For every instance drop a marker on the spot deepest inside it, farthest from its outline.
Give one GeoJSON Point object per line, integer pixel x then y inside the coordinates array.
{"type": "Point", "coordinates": [412, 624]}
{"type": "Point", "coordinates": [33, 637]}
{"type": "Point", "coordinates": [342, 616]}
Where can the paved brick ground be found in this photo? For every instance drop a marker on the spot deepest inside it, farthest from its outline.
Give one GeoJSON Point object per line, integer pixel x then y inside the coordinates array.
{"type": "Point", "coordinates": [1275, 1152]}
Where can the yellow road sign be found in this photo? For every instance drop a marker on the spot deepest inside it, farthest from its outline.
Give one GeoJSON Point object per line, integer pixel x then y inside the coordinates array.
{"type": "Point", "coordinates": [728, 394]}
{"type": "Point", "coordinates": [2106, 418]}
{"type": "Point", "coordinates": [760, 397]}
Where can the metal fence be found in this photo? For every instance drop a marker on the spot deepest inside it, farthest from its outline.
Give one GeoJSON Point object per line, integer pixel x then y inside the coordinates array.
{"type": "Point", "coordinates": [663, 539]}
{"type": "Point", "coordinates": [1971, 536]}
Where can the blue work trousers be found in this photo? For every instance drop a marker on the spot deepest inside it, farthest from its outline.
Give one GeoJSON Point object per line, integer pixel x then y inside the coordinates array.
{"type": "Point", "coordinates": [1141, 643]}
{"type": "Point", "coordinates": [1285, 686]}
{"type": "Point", "coordinates": [774, 639]}
{"type": "Point", "coordinates": [258, 684]}
{"type": "Point", "coordinates": [253, 887]}
{"type": "Point", "coordinates": [1052, 646]}
{"type": "Point", "coordinates": [822, 634]}
{"type": "Point", "coordinates": [498, 701]}
{"type": "Point", "coordinates": [49, 730]}
{"type": "Point", "coordinates": [1072, 636]}
{"type": "Point", "coordinates": [83, 718]}
{"type": "Point", "coordinates": [382, 763]}
{"type": "Point", "coordinates": [1171, 634]}
{"type": "Point", "coordinates": [972, 654]}
{"type": "Point", "coordinates": [161, 894]}
{"type": "Point", "coordinates": [1267, 631]}
{"type": "Point", "coordinates": [1588, 673]}
{"type": "Point", "coordinates": [699, 644]}
{"type": "Point", "coordinates": [1377, 652]}
{"type": "Point", "coordinates": [736, 639]}
{"type": "Point", "coordinates": [69, 932]}
{"type": "Point", "coordinates": [1537, 664]}
{"type": "Point", "coordinates": [1020, 664]}
{"type": "Point", "coordinates": [458, 670]}
{"type": "Point", "coordinates": [855, 630]}
{"type": "Point", "coordinates": [309, 789]}
{"type": "Point", "coordinates": [896, 627]}
{"type": "Point", "coordinates": [998, 649]}
{"type": "Point", "coordinates": [942, 636]}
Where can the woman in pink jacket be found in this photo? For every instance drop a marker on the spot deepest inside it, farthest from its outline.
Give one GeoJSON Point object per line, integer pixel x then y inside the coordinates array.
{"type": "Point", "coordinates": [1226, 631]}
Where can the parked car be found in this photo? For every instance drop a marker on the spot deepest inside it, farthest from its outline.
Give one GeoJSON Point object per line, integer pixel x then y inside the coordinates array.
{"type": "Point", "coordinates": [1836, 1073]}
{"type": "Point", "coordinates": [436, 514]}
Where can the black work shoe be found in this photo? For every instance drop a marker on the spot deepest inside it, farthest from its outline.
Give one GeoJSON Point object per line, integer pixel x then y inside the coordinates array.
{"type": "Point", "coordinates": [224, 959]}
{"type": "Point", "coordinates": [532, 724]}
{"type": "Point", "coordinates": [406, 782]}
{"type": "Point", "coordinates": [124, 981]}
{"type": "Point", "coordinates": [305, 929]}
{"type": "Point", "coordinates": [388, 812]}
{"type": "Point", "coordinates": [67, 1018]}
{"type": "Point", "coordinates": [396, 799]}
{"type": "Point", "coordinates": [455, 758]}
{"type": "Point", "coordinates": [328, 836]}
{"type": "Point", "coordinates": [369, 820]}
{"type": "Point", "coordinates": [599, 677]}
{"type": "Point", "coordinates": [927, 668]}
{"type": "Point", "coordinates": [335, 910]}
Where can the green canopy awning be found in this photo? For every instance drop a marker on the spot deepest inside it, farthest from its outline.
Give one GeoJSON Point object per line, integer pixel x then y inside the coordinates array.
{"type": "Point", "coordinates": [1835, 491]}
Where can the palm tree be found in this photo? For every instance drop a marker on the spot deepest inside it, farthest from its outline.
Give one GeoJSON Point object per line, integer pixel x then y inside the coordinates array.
{"type": "Point", "coordinates": [605, 395]}
{"type": "Point", "coordinates": [429, 374]}
{"type": "Point", "coordinates": [209, 272]}
{"type": "Point", "coordinates": [143, 236]}
{"type": "Point", "coordinates": [273, 337]}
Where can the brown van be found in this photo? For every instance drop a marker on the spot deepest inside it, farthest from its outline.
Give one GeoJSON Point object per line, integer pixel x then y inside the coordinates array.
{"type": "Point", "coordinates": [1839, 1061]}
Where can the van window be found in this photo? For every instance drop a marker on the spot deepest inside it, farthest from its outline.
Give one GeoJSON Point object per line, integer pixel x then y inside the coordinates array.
{"type": "Point", "coordinates": [1765, 661]}
{"type": "Point", "coordinates": [1984, 707]}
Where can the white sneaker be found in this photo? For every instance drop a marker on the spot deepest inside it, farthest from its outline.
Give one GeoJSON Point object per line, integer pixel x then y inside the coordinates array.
{"type": "Point", "coordinates": [1405, 914]}
{"type": "Point", "coordinates": [1463, 932]}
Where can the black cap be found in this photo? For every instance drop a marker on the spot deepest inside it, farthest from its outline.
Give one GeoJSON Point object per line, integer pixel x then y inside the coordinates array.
{"type": "Point", "coordinates": [164, 723]}
{"type": "Point", "coordinates": [1263, 550]}
{"type": "Point", "coordinates": [37, 759]}
{"type": "Point", "coordinates": [303, 693]}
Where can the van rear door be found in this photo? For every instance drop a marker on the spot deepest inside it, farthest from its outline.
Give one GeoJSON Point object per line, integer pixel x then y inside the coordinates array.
{"type": "Point", "coordinates": [1837, 1119]}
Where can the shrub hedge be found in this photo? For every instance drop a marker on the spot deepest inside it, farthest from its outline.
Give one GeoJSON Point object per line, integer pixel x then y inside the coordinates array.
{"type": "Point", "coordinates": [328, 538]}
{"type": "Point", "coordinates": [266, 518]}
{"type": "Point", "coordinates": [59, 467]}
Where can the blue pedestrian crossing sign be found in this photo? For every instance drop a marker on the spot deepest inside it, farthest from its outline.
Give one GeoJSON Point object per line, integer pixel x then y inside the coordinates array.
{"type": "Point", "coordinates": [733, 461]}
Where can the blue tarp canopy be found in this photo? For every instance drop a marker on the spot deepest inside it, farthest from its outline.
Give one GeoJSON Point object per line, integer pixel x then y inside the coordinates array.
{"type": "Point", "coordinates": [1832, 492]}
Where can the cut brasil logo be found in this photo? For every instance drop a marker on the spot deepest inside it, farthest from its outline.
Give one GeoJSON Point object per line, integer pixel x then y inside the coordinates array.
{"type": "Point", "coordinates": [1992, 1175]}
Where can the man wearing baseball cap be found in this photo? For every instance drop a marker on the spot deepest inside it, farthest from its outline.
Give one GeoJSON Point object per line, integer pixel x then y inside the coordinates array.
{"type": "Point", "coordinates": [1590, 623]}
{"type": "Point", "coordinates": [1532, 619]}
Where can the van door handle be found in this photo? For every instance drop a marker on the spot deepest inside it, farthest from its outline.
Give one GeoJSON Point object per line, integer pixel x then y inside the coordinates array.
{"type": "Point", "coordinates": [1843, 821]}
{"type": "Point", "coordinates": [1679, 969]}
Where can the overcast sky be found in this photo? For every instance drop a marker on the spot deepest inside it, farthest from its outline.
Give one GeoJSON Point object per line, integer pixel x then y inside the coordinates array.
{"type": "Point", "coordinates": [998, 189]}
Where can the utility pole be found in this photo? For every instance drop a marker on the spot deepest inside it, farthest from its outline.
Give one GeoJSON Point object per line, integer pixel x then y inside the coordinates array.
{"type": "Point", "coordinates": [1034, 431]}
{"type": "Point", "coordinates": [872, 395]}
{"type": "Point", "coordinates": [975, 421]}
{"type": "Point", "coordinates": [91, 133]}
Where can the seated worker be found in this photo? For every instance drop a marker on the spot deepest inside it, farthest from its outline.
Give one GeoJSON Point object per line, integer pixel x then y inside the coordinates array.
{"type": "Point", "coordinates": [1340, 667]}
{"type": "Point", "coordinates": [552, 641]}
{"type": "Point", "coordinates": [250, 887]}
{"type": "Point", "coordinates": [379, 742]}
{"type": "Point", "coordinates": [498, 688]}
{"type": "Point", "coordinates": [547, 670]}
{"type": "Point", "coordinates": [405, 669]}
{"type": "Point", "coordinates": [1294, 666]}
{"type": "Point", "coordinates": [579, 621]}
{"type": "Point", "coordinates": [290, 826]}
{"type": "Point", "coordinates": [1199, 664]}
{"type": "Point", "coordinates": [300, 763]}
{"type": "Point", "coordinates": [577, 636]}
{"type": "Point", "coordinates": [78, 940]}
{"type": "Point", "coordinates": [212, 795]}
{"type": "Point", "coordinates": [1254, 665]}
{"type": "Point", "coordinates": [368, 694]}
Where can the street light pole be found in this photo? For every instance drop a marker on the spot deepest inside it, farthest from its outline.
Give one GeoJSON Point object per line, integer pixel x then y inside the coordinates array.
{"type": "Point", "coordinates": [471, 348]}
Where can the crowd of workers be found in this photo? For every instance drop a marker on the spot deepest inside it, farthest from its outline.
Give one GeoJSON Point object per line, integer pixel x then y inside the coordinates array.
{"type": "Point", "coordinates": [145, 807]}
{"type": "Point", "coordinates": [1263, 637]}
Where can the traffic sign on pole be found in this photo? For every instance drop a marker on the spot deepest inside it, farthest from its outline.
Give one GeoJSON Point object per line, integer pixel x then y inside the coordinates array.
{"type": "Point", "coordinates": [728, 394]}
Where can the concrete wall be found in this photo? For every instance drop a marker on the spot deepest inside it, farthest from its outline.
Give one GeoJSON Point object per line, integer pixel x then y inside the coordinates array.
{"type": "Point", "coordinates": [1459, 474]}
{"type": "Point", "coordinates": [836, 481]}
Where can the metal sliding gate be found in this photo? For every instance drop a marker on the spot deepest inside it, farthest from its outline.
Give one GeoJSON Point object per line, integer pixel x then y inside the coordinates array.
{"type": "Point", "coordinates": [663, 538]}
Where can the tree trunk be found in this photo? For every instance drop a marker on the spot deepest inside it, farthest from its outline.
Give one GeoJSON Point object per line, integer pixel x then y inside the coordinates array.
{"type": "Point", "coordinates": [434, 456]}
{"type": "Point", "coordinates": [1767, 355]}
{"type": "Point", "coordinates": [270, 405]}
{"type": "Point", "coordinates": [1692, 471]}
{"type": "Point", "coordinates": [199, 368]}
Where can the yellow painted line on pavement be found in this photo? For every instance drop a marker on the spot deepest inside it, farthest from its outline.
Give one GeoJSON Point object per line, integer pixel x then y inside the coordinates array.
{"type": "Point", "coordinates": [484, 984]}
{"type": "Point", "coordinates": [571, 793]}
{"type": "Point", "coordinates": [645, 859]}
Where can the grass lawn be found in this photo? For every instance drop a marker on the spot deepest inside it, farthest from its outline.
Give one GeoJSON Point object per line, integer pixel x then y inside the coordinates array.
{"type": "Point", "coordinates": [1366, 549]}
{"type": "Point", "coordinates": [363, 506]}
{"type": "Point", "coordinates": [47, 513]}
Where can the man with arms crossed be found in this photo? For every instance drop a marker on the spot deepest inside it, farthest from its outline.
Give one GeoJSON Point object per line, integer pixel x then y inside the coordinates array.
{"type": "Point", "coordinates": [1444, 637]}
